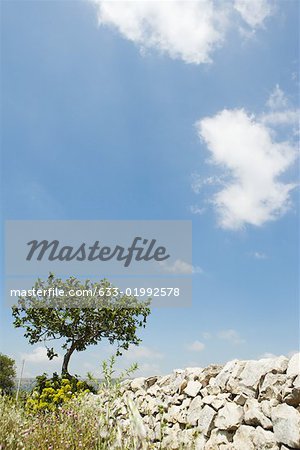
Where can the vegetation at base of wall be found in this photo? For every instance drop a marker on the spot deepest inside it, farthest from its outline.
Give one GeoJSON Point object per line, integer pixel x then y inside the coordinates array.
{"type": "Point", "coordinates": [51, 393]}
{"type": "Point", "coordinates": [7, 374]}
{"type": "Point", "coordinates": [79, 421]}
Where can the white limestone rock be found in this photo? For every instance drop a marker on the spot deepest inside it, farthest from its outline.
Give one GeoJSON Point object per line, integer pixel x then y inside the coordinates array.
{"type": "Point", "coordinates": [209, 372]}
{"type": "Point", "coordinates": [273, 386]}
{"type": "Point", "coordinates": [286, 425]}
{"type": "Point", "coordinates": [192, 388]}
{"type": "Point", "coordinates": [205, 420]}
{"type": "Point", "coordinates": [216, 401]}
{"type": "Point", "coordinates": [293, 369]}
{"type": "Point", "coordinates": [254, 415]}
{"type": "Point", "coordinates": [200, 442]}
{"type": "Point", "coordinates": [241, 399]}
{"type": "Point", "coordinates": [212, 387]}
{"type": "Point", "coordinates": [194, 411]}
{"type": "Point", "coordinates": [230, 371]}
{"type": "Point", "coordinates": [229, 417]}
{"type": "Point", "coordinates": [296, 382]}
{"type": "Point", "coordinates": [292, 396]}
{"type": "Point", "coordinates": [243, 438]}
{"type": "Point", "coordinates": [150, 381]}
{"type": "Point", "coordinates": [193, 373]}
{"type": "Point", "coordinates": [264, 440]}
{"type": "Point", "coordinates": [138, 383]}
{"type": "Point", "coordinates": [250, 438]}
{"type": "Point", "coordinates": [217, 438]}
{"type": "Point", "coordinates": [255, 370]}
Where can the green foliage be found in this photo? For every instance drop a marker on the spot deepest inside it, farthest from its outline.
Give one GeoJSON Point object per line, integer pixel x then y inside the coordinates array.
{"type": "Point", "coordinates": [82, 422]}
{"type": "Point", "coordinates": [7, 374]}
{"type": "Point", "coordinates": [108, 370]}
{"type": "Point", "coordinates": [50, 393]}
{"type": "Point", "coordinates": [102, 316]}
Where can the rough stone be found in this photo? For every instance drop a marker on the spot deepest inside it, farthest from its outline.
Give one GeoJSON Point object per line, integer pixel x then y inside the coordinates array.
{"type": "Point", "coordinates": [293, 369]}
{"type": "Point", "coordinates": [217, 438]}
{"type": "Point", "coordinates": [229, 417]}
{"type": "Point", "coordinates": [296, 382]}
{"type": "Point", "coordinates": [193, 388]}
{"type": "Point", "coordinates": [194, 411]}
{"type": "Point", "coordinates": [272, 386]}
{"type": "Point", "coordinates": [216, 401]}
{"type": "Point", "coordinates": [255, 370]}
{"type": "Point", "coordinates": [254, 415]}
{"type": "Point", "coordinates": [244, 405]}
{"type": "Point", "coordinates": [205, 420]}
{"type": "Point", "coordinates": [150, 381]}
{"type": "Point", "coordinates": [241, 399]}
{"type": "Point", "coordinates": [264, 440]}
{"type": "Point", "coordinates": [286, 425]}
{"type": "Point", "coordinates": [200, 442]}
{"type": "Point", "coordinates": [292, 396]}
{"type": "Point", "coordinates": [138, 383]}
{"type": "Point", "coordinates": [243, 438]}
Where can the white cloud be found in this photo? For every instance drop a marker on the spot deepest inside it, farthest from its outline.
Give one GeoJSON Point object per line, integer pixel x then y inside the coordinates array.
{"type": "Point", "coordinates": [195, 209]}
{"type": "Point", "coordinates": [180, 267]}
{"type": "Point", "coordinates": [198, 270]}
{"type": "Point", "coordinates": [231, 336]}
{"type": "Point", "coordinates": [186, 30]}
{"type": "Point", "coordinates": [198, 182]}
{"type": "Point", "coordinates": [206, 335]}
{"type": "Point", "coordinates": [287, 117]}
{"type": "Point", "coordinates": [267, 355]}
{"type": "Point", "coordinates": [277, 99]}
{"type": "Point", "coordinates": [38, 356]}
{"type": "Point", "coordinates": [196, 346]}
{"type": "Point", "coordinates": [245, 149]}
{"type": "Point", "coordinates": [254, 13]}
{"type": "Point", "coordinates": [142, 352]}
{"type": "Point", "coordinates": [280, 111]}
{"type": "Point", "coordinates": [258, 255]}
{"type": "Point", "coordinates": [148, 369]}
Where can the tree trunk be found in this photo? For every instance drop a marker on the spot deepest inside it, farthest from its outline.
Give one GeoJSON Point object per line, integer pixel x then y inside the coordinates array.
{"type": "Point", "coordinates": [64, 370]}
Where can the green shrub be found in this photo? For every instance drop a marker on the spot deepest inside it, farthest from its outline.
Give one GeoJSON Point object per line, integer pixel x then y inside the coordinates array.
{"type": "Point", "coordinates": [50, 393]}
{"type": "Point", "coordinates": [7, 374]}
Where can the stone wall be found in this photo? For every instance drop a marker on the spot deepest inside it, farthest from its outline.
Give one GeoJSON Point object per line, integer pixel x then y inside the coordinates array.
{"type": "Point", "coordinates": [243, 405]}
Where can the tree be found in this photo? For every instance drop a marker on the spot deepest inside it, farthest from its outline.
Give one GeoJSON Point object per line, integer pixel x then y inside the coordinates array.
{"type": "Point", "coordinates": [104, 312]}
{"type": "Point", "coordinates": [7, 374]}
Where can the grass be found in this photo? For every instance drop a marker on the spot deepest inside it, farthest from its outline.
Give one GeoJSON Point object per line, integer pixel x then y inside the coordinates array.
{"type": "Point", "coordinates": [83, 423]}
{"type": "Point", "coordinates": [77, 426]}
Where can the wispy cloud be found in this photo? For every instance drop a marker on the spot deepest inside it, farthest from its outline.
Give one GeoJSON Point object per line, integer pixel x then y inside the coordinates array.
{"type": "Point", "coordinates": [195, 209]}
{"type": "Point", "coordinates": [254, 13]}
{"type": "Point", "coordinates": [38, 356]}
{"type": "Point", "coordinates": [180, 267]}
{"type": "Point", "coordinates": [258, 255]}
{"type": "Point", "coordinates": [189, 31]}
{"type": "Point", "coordinates": [280, 112]}
{"type": "Point", "coordinates": [231, 336]}
{"type": "Point", "coordinates": [267, 355]}
{"type": "Point", "coordinates": [147, 369]}
{"type": "Point", "coordinates": [206, 335]}
{"type": "Point", "coordinates": [142, 352]}
{"type": "Point", "coordinates": [199, 182]}
{"type": "Point", "coordinates": [196, 346]}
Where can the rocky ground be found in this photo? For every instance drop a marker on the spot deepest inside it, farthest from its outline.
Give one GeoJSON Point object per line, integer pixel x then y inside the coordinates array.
{"type": "Point", "coordinates": [243, 405]}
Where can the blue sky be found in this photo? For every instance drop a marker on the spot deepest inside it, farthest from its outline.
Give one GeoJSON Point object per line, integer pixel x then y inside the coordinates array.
{"type": "Point", "coordinates": [103, 119]}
